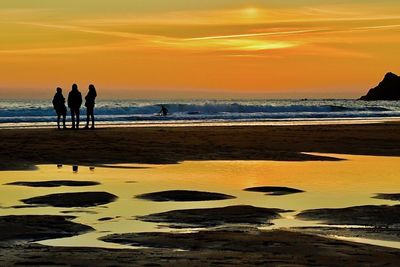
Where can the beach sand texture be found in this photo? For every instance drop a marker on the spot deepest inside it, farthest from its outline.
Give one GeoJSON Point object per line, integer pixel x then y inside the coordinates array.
{"type": "Point", "coordinates": [127, 149]}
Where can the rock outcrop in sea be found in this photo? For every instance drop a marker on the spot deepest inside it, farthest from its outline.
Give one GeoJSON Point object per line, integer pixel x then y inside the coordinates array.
{"type": "Point", "coordinates": [387, 89]}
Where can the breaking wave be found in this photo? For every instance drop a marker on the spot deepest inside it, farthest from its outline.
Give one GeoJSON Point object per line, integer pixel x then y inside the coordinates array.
{"type": "Point", "coordinates": [36, 111]}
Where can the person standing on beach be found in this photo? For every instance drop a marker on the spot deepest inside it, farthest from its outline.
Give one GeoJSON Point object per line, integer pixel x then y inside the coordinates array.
{"type": "Point", "coordinates": [74, 103]}
{"type": "Point", "coordinates": [89, 103]}
{"type": "Point", "coordinates": [59, 106]}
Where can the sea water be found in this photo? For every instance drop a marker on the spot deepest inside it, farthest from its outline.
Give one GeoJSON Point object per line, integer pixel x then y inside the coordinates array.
{"type": "Point", "coordinates": [40, 113]}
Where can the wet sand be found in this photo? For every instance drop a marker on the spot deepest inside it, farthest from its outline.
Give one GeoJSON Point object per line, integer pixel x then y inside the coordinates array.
{"type": "Point", "coordinates": [274, 190]}
{"type": "Point", "coordinates": [378, 233]}
{"type": "Point", "coordinates": [394, 197]}
{"type": "Point", "coordinates": [273, 248]}
{"type": "Point", "coordinates": [368, 215]}
{"type": "Point", "coordinates": [23, 148]}
{"type": "Point", "coordinates": [23, 228]}
{"type": "Point", "coordinates": [240, 214]}
{"type": "Point", "coordinates": [372, 221]}
{"type": "Point", "coordinates": [183, 195]}
{"type": "Point", "coordinates": [76, 199]}
{"type": "Point", "coordinates": [56, 183]}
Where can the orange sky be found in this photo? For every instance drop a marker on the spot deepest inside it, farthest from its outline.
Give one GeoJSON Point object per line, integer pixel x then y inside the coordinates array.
{"type": "Point", "coordinates": [219, 48]}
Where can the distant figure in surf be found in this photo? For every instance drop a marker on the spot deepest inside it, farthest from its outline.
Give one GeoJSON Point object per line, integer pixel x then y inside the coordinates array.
{"type": "Point", "coordinates": [74, 104]}
{"type": "Point", "coordinates": [59, 106]}
{"type": "Point", "coordinates": [89, 104]}
{"type": "Point", "coordinates": [163, 111]}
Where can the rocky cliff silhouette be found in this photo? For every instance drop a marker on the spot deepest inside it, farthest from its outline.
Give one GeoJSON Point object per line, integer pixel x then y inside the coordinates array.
{"type": "Point", "coordinates": [387, 89]}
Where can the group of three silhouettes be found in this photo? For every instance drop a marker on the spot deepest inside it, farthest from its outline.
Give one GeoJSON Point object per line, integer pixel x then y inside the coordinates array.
{"type": "Point", "coordinates": [74, 104]}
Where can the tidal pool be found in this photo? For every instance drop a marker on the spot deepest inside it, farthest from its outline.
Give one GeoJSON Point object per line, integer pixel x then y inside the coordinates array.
{"type": "Point", "coordinates": [327, 184]}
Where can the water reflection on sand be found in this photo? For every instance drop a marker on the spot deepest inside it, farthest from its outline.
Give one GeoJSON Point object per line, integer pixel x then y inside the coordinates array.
{"type": "Point", "coordinates": [327, 184]}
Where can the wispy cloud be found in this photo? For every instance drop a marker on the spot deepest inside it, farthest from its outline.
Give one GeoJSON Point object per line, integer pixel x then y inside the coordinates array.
{"type": "Point", "coordinates": [379, 27]}
{"type": "Point", "coordinates": [246, 35]}
{"type": "Point", "coordinates": [262, 30]}
{"type": "Point", "coordinates": [81, 29]}
{"type": "Point", "coordinates": [199, 44]}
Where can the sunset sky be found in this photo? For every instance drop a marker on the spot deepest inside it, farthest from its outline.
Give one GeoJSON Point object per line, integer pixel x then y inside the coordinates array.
{"type": "Point", "coordinates": [191, 48]}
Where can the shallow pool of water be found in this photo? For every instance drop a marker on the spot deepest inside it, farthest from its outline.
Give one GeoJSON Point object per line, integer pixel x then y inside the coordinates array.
{"type": "Point", "coordinates": [327, 184]}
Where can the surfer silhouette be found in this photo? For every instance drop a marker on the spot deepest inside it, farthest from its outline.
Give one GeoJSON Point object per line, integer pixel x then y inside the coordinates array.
{"type": "Point", "coordinates": [163, 111]}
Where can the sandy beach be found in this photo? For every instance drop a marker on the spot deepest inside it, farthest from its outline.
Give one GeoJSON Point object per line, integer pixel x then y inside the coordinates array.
{"type": "Point", "coordinates": [200, 133]}
{"type": "Point", "coordinates": [23, 148]}
{"type": "Point", "coordinates": [135, 197]}
{"type": "Point", "coordinates": [277, 248]}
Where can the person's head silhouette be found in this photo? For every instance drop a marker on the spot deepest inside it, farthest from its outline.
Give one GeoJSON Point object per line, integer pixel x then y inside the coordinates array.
{"type": "Point", "coordinates": [59, 90]}
{"type": "Point", "coordinates": [74, 87]}
{"type": "Point", "coordinates": [92, 88]}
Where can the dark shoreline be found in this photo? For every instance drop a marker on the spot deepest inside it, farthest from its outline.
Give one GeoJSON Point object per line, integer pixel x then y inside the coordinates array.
{"type": "Point", "coordinates": [24, 148]}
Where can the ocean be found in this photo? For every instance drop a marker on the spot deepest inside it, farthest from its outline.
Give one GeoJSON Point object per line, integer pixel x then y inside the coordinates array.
{"type": "Point", "coordinates": [40, 113]}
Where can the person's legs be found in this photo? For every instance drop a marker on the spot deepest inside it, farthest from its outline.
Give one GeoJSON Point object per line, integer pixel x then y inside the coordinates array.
{"type": "Point", "coordinates": [87, 117]}
{"type": "Point", "coordinates": [87, 120]}
{"type": "Point", "coordinates": [64, 115]}
{"type": "Point", "coordinates": [58, 120]}
{"type": "Point", "coordinates": [92, 119]}
{"type": "Point", "coordinates": [77, 118]}
{"type": "Point", "coordinates": [73, 118]}
{"type": "Point", "coordinates": [91, 114]}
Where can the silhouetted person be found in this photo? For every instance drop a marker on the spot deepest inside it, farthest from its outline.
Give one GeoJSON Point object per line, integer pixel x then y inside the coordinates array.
{"type": "Point", "coordinates": [163, 111]}
{"type": "Point", "coordinates": [90, 101]}
{"type": "Point", "coordinates": [74, 104]}
{"type": "Point", "coordinates": [59, 106]}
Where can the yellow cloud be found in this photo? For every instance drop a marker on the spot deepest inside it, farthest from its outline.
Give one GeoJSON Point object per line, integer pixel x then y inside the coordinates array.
{"type": "Point", "coordinates": [242, 44]}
